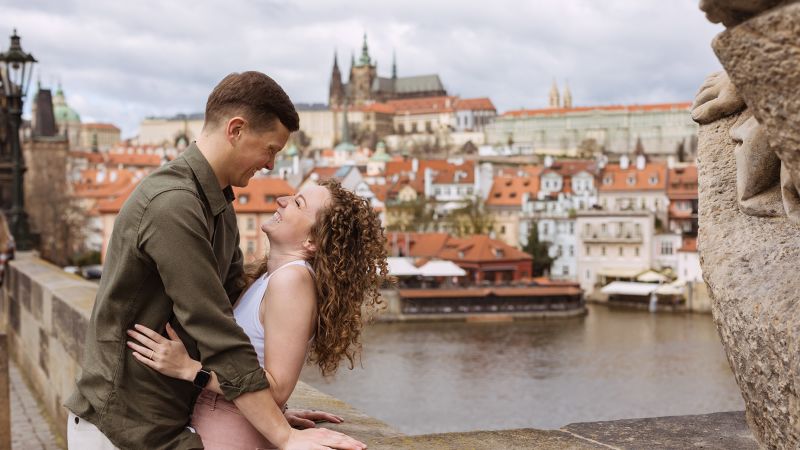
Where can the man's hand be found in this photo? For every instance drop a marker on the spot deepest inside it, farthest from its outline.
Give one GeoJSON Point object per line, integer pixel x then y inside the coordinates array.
{"type": "Point", "coordinates": [305, 418]}
{"type": "Point", "coordinates": [321, 438]}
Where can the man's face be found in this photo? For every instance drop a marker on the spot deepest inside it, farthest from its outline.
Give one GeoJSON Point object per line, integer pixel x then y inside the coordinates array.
{"type": "Point", "coordinates": [255, 150]}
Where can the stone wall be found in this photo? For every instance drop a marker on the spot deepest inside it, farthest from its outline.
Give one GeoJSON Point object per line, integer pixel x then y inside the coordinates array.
{"type": "Point", "coordinates": [47, 311]}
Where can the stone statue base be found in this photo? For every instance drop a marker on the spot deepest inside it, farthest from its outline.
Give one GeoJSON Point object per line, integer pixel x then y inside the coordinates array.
{"type": "Point", "coordinates": [751, 267]}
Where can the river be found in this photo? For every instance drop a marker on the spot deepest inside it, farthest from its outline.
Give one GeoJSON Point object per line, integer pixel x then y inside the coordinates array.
{"type": "Point", "coordinates": [612, 364]}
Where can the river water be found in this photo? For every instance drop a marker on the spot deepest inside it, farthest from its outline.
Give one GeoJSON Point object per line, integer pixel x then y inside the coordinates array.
{"type": "Point", "coordinates": [612, 364]}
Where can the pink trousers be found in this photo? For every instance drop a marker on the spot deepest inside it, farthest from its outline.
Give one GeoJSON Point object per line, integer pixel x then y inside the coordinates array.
{"type": "Point", "coordinates": [222, 426]}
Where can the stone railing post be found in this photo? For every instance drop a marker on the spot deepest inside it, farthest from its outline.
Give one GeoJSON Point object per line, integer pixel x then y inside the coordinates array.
{"type": "Point", "coordinates": [5, 396]}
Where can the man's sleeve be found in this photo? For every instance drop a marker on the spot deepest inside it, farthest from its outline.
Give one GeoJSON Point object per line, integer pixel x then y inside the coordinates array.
{"type": "Point", "coordinates": [174, 234]}
{"type": "Point", "coordinates": [234, 284]}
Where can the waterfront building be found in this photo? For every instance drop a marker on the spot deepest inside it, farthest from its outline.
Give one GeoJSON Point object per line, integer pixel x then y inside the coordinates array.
{"type": "Point", "coordinates": [486, 260]}
{"type": "Point", "coordinates": [613, 246]}
{"type": "Point", "coordinates": [682, 194]}
{"type": "Point", "coordinates": [664, 129]}
{"type": "Point", "coordinates": [665, 250]}
{"type": "Point", "coordinates": [688, 269]}
{"type": "Point", "coordinates": [638, 185]}
{"type": "Point", "coordinates": [99, 136]}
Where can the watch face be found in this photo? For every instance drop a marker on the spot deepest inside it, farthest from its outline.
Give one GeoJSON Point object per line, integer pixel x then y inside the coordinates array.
{"type": "Point", "coordinates": [201, 379]}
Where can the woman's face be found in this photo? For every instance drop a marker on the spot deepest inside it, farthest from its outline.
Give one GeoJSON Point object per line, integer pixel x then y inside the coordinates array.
{"type": "Point", "coordinates": [292, 222]}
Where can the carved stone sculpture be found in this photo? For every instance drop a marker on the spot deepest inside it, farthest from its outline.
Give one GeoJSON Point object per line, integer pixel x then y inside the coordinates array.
{"type": "Point", "coordinates": [749, 171]}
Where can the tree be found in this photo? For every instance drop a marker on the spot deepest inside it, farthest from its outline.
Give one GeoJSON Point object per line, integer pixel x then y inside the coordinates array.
{"type": "Point", "coordinates": [472, 218]}
{"type": "Point", "coordinates": [539, 250]}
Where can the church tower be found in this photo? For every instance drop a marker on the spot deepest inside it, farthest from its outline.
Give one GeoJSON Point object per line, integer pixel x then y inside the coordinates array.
{"type": "Point", "coordinates": [555, 101]}
{"type": "Point", "coordinates": [567, 97]}
{"type": "Point", "coordinates": [362, 74]}
{"type": "Point", "coordinates": [336, 90]}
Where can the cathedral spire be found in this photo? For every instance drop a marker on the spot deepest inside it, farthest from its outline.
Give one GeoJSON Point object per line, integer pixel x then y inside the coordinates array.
{"type": "Point", "coordinates": [365, 59]}
{"type": "Point", "coordinates": [567, 97]}
{"type": "Point", "coordinates": [394, 64]}
{"type": "Point", "coordinates": [555, 101]}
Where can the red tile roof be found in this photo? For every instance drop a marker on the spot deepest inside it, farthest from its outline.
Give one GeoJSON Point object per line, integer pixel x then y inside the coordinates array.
{"type": "Point", "coordinates": [419, 245]}
{"type": "Point", "coordinates": [475, 104]}
{"type": "Point", "coordinates": [612, 108]}
{"type": "Point", "coordinates": [509, 190]}
{"type": "Point", "coordinates": [689, 245]}
{"type": "Point", "coordinates": [114, 205]}
{"type": "Point", "coordinates": [100, 126]}
{"type": "Point", "coordinates": [260, 195]}
{"type": "Point", "coordinates": [613, 178]}
{"type": "Point", "coordinates": [480, 248]}
{"type": "Point", "coordinates": [134, 159]}
{"type": "Point", "coordinates": [682, 183]}
{"type": "Point", "coordinates": [90, 188]}
{"type": "Point", "coordinates": [424, 105]}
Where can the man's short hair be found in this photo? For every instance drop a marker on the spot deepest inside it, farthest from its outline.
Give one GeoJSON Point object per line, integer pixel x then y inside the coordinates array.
{"type": "Point", "coordinates": [254, 96]}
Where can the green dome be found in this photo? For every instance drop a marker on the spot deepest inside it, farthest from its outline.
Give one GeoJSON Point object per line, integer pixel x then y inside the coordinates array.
{"type": "Point", "coordinates": [380, 155]}
{"type": "Point", "coordinates": [62, 111]}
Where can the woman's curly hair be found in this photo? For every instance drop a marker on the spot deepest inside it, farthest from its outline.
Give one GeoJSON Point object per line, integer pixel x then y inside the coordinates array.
{"type": "Point", "coordinates": [350, 267]}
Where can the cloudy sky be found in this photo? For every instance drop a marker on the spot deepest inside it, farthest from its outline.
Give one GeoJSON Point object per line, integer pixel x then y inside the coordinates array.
{"type": "Point", "coordinates": [122, 61]}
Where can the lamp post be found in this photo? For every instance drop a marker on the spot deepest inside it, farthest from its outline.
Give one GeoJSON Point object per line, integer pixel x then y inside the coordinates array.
{"type": "Point", "coordinates": [16, 68]}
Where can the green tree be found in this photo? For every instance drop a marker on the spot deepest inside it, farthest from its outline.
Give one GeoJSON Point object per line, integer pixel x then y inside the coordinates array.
{"type": "Point", "coordinates": [539, 250]}
{"type": "Point", "coordinates": [472, 218]}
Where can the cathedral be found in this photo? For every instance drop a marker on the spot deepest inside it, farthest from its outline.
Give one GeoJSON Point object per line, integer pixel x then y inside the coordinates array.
{"type": "Point", "coordinates": [365, 86]}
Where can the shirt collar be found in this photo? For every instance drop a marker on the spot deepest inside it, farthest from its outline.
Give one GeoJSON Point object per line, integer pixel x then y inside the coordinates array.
{"type": "Point", "coordinates": [218, 199]}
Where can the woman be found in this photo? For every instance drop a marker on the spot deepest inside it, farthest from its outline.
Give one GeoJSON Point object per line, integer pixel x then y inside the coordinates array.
{"type": "Point", "coordinates": [327, 259]}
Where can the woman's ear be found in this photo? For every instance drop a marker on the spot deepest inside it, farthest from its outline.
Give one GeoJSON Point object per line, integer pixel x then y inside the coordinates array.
{"type": "Point", "coordinates": [309, 246]}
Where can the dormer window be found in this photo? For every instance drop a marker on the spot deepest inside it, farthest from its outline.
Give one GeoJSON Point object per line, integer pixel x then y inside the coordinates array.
{"type": "Point", "coordinates": [508, 182]}
{"type": "Point", "coordinates": [631, 180]}
{"type": "Point", "coordinates": [243, 199]}
{"type": "Point", "coordinates": [608, 179]}
{"type": "Point", "coordinates": [461, 254]}
{"type": "Point", "coordinates": [497, 195]}
{"type": "Point", "coordinates": [526, 183]}
{"type": "Point", "coordinates": [512, 194]}
{"type": "Point", "coordinates": [654, 179]}
{"type": "Point", "coordinates": [499, 253]}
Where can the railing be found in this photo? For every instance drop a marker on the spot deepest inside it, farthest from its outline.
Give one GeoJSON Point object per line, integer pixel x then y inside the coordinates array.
{"type": "Point", "coordinates": [611, 237]}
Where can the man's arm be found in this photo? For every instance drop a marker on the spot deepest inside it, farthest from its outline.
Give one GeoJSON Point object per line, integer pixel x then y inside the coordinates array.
{"type": "Point", "coordinates": [234, 284]}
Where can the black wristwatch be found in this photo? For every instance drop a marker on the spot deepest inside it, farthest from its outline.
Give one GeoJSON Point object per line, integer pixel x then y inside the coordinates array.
{"type": "Point", "coordinates": [202, 377]}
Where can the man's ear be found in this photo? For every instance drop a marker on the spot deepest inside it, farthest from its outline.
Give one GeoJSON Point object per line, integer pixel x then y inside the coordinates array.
{"type": "Point", "coordinates": [233, 128]}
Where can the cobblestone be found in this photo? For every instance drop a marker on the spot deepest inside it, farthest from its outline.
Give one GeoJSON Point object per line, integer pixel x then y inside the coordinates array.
{"type": "Point", "coordinates": [29, 429]}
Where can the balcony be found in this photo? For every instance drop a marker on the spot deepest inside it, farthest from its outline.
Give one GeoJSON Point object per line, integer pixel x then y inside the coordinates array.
{"type": "Point", "coordinates": [625, 237]}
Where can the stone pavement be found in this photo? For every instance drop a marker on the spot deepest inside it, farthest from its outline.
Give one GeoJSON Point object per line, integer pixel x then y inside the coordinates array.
{"type": "Point", "coordinates": [29, 429]}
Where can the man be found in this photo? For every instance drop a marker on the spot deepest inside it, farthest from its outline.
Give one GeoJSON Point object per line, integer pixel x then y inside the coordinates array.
{"type": "Point", "coordinates": [174, 257]}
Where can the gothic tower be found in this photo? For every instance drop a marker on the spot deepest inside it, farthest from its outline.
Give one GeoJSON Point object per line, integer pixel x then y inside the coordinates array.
{"type": "Point", "coordinates": [567, 97]}
{"type": "Point", "coordinates": [336, 90]}
{"type": "Point", "coordinates": [362, 75]}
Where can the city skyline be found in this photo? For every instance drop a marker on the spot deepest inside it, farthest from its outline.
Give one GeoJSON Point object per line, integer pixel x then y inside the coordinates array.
{"type": "Point", "coordinates": [119, 63]}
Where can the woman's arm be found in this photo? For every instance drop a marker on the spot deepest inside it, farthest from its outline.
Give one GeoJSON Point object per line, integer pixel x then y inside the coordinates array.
{"type": "Point", "coordinates": [288, 314]}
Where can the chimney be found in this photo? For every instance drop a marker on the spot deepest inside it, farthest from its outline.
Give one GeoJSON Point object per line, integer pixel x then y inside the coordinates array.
{"type": "Point", "coordinates": [624, 162]}
{"type": "Point", "coordinates": [641, 162]}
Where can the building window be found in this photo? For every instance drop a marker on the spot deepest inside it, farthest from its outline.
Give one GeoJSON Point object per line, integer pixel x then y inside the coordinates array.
{"type": "Point", "coordinates": [502, 229]}
{"type": "Point", "coordinates": [243, 199]}
{"type": "Point", "coordinates": [631, 180]}
{"type": "Point", "coordinates": [666, 248]}
{"type": "Point", "coordinates": [251, 223]}
{"type": "Point", "coordinates": [251, 246]}
{"type": "Point", "coordinates": [637, 251]}
{"type": "Point", "coordinates": [269, 198]}
{"type": "Point", "coordinates": [603, 250]}
{"type": "Point", "coordinates": [620, 251]}
{"type": "Point", "coordinates": [654, 179]}
{"type": "Point", "coordinates": [571, 250]}
{"type": "Point", "coordinates": [564, 270]}
{"type": "Point", "coordinates": [608, 179]}
{"type": "Point", "coordinates": [588, 253]}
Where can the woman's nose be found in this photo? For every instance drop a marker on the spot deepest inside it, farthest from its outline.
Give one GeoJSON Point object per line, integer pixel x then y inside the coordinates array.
{"type": "Point", "coordinates": [282, 202]}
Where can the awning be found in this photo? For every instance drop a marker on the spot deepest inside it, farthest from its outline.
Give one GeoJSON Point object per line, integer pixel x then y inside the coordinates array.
{"type": "Point", "coordinates": [623, 272]}
{"type": "Point", "coordinates": [629, 288]}
{"type": "Point", "coordinates": [676, 288]}
{"type": "Point", "coordinates": [401, 267]}
{"type": "Point", "coordinates": [651, 276]}
{"type": "Point", "coordinates": [441, 269]}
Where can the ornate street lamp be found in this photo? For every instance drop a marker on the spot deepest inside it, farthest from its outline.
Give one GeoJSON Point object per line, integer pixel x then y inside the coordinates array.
{"type": "Point", "coordinates": [16, 68]}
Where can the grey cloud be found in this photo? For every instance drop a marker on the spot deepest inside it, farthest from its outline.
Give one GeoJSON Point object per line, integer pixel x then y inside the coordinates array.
{"type": "Point", "coordinates": [124, 60]}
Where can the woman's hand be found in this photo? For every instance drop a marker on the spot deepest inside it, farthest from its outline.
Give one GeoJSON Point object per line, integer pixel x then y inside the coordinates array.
{"type": "Point", "coordinates": [167, 356]}
{"type": "Point", "coordinates": [308, 418]}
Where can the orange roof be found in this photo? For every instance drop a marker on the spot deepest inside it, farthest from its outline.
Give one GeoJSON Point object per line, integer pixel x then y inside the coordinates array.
{"type": "Point", "coordinates": [424, 105]}
{"type": "Point", "coordinates": [615, 108]}
{"type": "Point", "coordinates": [480, 248]}
{"type": "Point", "coordinates": [616, 179]}
{"type": "Point", "coordinates": [509, 190]}
{"type": "Point", "coordinates": [90, 187]}
{"type": "Point", "coordinates": [260, 195]}
{"type": "Point", "coordinates": [382, 108]}
{"type": "Point", "coordinates": [682, 183]}
{"type": "Point", "coordinates": [419, 245]}
{"type": "Point", "coordinates": [114, 205]}
{"type": "Point", "coordinates": [475, 104]}
{"type": "Point", "coordinates": [405, 166]}
{"type": "Point", "coordinates": [92, 157]}
{"type": "Point", "coordinates": [465, 172]}
{"type": "Point", "coordinates": [100, 126]}
{"type": "Point", "coordinates": [134, 159]}
{"type": "Point", "coordinates": [380, 190]}
{"type": "Point", "coordinates": [689, 245]}
{"type": "Point", "coordinates": [569, 167]}
{"type": "Point", "coordinates": [418, 184]}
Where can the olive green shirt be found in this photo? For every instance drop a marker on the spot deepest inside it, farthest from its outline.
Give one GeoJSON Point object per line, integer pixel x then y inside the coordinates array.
{"type": "Point", "coordinates": [173, 256]}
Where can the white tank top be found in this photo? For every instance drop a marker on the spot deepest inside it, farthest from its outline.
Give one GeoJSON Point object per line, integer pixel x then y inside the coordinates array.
{"type": "Point", "coordinates": [246, 311]}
